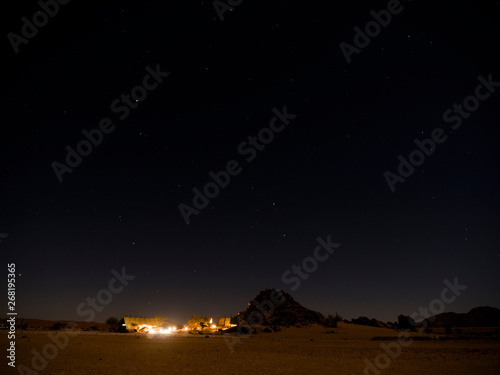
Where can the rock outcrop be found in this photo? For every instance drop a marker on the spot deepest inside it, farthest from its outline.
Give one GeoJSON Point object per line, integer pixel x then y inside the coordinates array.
{"type": "Point", "coordinates": [274, 308]}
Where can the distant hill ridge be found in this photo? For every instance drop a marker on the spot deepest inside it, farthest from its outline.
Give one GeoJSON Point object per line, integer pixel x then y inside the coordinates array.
{"type": "Point", "coordinates": [483, 316]}
{"type": "Point", "coordinates": [266, 309]}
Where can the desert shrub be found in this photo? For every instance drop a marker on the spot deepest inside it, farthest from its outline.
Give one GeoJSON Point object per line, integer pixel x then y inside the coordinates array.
{"type": "Point", "coordinates": [57, 326]}
{"type": "Point", "coordinates": [203, 321]}
{"type": "Point", "coordinates": [112, 321]}
{"type": "Point", "coordinates": [447, 329]}
{"type": "Point", "coordinates": [332, 321]}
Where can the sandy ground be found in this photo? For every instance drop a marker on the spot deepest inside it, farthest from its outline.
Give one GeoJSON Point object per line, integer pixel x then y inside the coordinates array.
{"type": "Point", "coordinates": [308, 350]}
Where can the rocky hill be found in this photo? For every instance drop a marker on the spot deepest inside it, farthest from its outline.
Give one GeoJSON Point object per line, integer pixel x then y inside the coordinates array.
{"type": "Point", "coordinates": [274, 307]}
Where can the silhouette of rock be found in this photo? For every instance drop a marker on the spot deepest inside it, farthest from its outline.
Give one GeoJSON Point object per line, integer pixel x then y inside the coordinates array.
{"type": "Point", "coordinates": [406, 322]}
{"type": "Point", "coordinates": [274, 308]}
{"type": "Point", "coordinates": [483, 316]}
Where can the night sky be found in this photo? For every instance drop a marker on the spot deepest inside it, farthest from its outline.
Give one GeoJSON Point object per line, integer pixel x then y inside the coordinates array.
{"type": "Point", "coordinates": [321, 175]}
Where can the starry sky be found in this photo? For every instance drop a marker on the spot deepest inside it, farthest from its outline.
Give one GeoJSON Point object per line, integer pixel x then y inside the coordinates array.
{"type": "Point", "coordinates": [321, 175]}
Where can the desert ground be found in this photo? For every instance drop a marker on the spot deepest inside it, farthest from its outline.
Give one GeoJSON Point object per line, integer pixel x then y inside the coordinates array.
{"type": "Point", "coordinates": [307, 350]}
